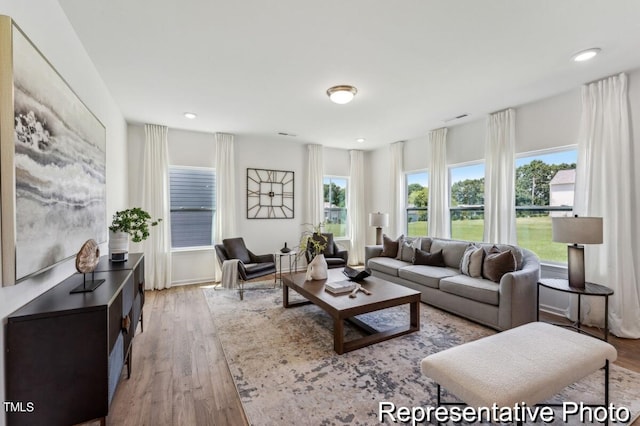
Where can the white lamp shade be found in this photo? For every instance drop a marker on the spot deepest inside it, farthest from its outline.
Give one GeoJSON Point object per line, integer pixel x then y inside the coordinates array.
{"type": "Point", "coordinates": [379, 220]}
{"type": "Point", "coordinates": [577, 230]}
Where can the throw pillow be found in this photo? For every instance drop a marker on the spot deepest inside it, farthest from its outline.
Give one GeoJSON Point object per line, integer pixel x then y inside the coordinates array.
{"type": "Point", "coordinates": [400, 243]}
{"type": "Point", "coordinates": [408, 248]}
{"type": "Point", "coordinates": [471, 263]}
{"type": "Point", "coordinates": [389, 246]}
{"type": "Point", "coordinates": [495, 265]}
{"type": "Point", "coordinates": [430, 259]}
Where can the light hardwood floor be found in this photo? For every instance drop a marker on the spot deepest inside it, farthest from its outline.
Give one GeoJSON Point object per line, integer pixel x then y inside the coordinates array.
{"type": "Point", "coordinates": [180, 375]}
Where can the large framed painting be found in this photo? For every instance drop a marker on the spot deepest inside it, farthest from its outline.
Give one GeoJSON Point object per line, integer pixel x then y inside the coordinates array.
{"type": "Point", "coordinates": [270, 194]}
{"type": "Point", "coordinates": [52, 162]}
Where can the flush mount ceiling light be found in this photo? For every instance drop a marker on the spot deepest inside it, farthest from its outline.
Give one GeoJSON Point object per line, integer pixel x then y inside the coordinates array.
{"type": "Point", "coordinates": [585, 55]}
{"type": "Point", "coordinates": [360, 140]}
{"type": "Point", "coordinates": [341, 94]}
{"type": "Point", "coordinates": [190, 115]}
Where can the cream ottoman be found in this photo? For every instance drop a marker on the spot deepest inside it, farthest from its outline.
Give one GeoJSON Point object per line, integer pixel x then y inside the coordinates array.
{"type": "Point", "coordinates": [526, 364]}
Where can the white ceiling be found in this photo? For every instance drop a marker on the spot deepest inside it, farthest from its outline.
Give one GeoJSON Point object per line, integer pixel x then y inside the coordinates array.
{"type": "Point", "coordinates": [256, 67]}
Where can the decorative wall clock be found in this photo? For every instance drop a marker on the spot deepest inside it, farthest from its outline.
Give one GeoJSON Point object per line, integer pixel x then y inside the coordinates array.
{"type": "Point", "coordinates": [269, 194]}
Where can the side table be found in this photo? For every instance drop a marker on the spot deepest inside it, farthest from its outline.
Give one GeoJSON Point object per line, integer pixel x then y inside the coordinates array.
{"type": "Point", "coordinates": [291, 254]}
{"type": "Point", "coordinates": [590, 289]}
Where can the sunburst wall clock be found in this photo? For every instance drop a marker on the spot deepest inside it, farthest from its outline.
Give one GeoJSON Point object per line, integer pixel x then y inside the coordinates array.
{"type": "Point", "coordinates": [269, 194]}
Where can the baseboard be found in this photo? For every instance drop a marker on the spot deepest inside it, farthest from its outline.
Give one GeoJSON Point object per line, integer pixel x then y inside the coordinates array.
{"type": "Point", "coordinates": [192, 281]}
{"type": "Point", "coordinates": [553, 310]}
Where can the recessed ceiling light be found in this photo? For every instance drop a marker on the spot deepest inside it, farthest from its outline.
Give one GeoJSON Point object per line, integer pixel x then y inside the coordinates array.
{"type": "Point", "coordinates": [190, 115]}
{"type": "Point", "coordinates": [341, 94]}
{"type": "Point", "coordinates": [585, 55]}
{"type": "Point", "coordinates": [360, 140]}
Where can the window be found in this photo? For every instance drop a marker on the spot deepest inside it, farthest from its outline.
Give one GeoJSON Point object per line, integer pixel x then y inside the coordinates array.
{"type": "Point", "coordinates": [467, 202]}
{"type": "Point", "coordinates": [417, 203]}
{"type": "Point", "coordinates": [544, 188]}
{"type": "Point", "coordinates": [335, 205]}
{"type": "Point", "coordinates": [192, 191]}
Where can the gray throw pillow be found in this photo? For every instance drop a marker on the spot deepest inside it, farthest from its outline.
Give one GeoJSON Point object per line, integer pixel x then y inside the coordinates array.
{"type": "Point", "coordinates": [428, 259]}
{"type": "Point", "coordinates": [471, 263]}
{"type": "Point", "coordinates": [497, 263]}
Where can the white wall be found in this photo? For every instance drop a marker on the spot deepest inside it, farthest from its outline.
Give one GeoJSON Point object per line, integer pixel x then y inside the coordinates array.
{"type": "Point", "coordinates": [548, 123]}
{"type": "Point", "coordinates": [262, 236]}
{"type": "Point", "coordinates": [47, 26]}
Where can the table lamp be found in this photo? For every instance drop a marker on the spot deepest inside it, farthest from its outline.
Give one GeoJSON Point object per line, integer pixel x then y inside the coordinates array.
{"type": "Point", "coordinates": [379, 220]}
{"type": "Point", "coordinates": [576, 231]}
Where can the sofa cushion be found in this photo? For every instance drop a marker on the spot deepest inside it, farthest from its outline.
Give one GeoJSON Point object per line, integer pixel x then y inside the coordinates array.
{"type": "Point", "coordinates": [425, 244]}
{"type": "Point", "coordinates": [477, 289]}
{"type": "Point", "coordinates": [517, 251]}
{"type": "Point", "coordinates": [386, 265]}
{"type": "Point", "coordinates": [391, 247]}
{"type": "Point", "coordinates": [471, 263]}
{"type": "Point", "coordinates": [497, 263]}
{"type": "Point", "coordinates": [452, 250]}
{"type": "Point", "coordinates": [426, 275]}
{"type": "Point", "coordinates": [430, 259]}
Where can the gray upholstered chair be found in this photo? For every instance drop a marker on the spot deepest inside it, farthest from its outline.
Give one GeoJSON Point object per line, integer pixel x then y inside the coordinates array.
{"type": "Point", "coordinates": [335, 256]}
{"type": "Point", "coordinates": [250, 265]}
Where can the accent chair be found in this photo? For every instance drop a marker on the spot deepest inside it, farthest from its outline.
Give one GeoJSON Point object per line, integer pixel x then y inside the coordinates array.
{"type": "Point", "coordinates": [250, 265]}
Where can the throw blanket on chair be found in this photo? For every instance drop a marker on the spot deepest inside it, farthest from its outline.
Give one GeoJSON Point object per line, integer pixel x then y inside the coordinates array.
{"type": "Point", "coordinates": [229, 273]}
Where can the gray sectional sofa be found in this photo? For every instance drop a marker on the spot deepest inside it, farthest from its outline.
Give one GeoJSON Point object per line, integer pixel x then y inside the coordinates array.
{"type": "Point", "coordinates": [503, 305]}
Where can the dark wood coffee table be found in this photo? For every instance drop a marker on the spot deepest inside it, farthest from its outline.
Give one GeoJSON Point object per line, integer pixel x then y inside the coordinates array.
{"type": "Point", "coordinates": [341, 308]}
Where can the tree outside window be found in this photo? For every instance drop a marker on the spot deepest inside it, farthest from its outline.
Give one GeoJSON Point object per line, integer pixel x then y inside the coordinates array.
{"type": "Point", "coordinates": [335, 205]}
{"type": "Point", "coordinates": [544, 188]}
{"type": "Point", "coordinates": [417, 203]}
{"type": "Point", "coordinates": [467, 202]}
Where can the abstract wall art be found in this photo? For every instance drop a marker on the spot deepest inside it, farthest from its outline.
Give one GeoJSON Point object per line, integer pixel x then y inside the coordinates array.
{"type": "Point", "coordinates": [52, 162]}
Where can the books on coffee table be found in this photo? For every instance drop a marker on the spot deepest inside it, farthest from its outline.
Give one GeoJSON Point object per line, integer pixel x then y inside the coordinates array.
{"type": "Point", "coordinates": [340, 287]}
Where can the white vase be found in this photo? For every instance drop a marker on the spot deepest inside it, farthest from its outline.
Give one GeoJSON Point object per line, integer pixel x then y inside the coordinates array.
{"type": "Point", "coordinates": [317, 268]}
{"type": "Point", "coordinates": [118, 246]}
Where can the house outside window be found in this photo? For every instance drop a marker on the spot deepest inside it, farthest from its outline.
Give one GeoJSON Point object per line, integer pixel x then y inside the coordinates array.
{"type": "Point", "coordinates": [545, 184]}
{"type": "Point", "coordinates": [335, 205]}
{"type": "Point", "coordinates": [417, 203]}
{"type": "Point", "coordinates": [466, 195]}
{"type": "Point", "coordinates": [192, 193]}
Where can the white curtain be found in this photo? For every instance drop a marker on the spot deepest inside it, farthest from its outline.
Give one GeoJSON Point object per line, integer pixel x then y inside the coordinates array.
{"type": "Point", "coordinates": [356, 215]}
{"type": "Point", "coordinates": [397, 192]}
{"type": "Point", "coordinates": [315, 189]}
{"type": "Point", "coordinates": [225, 218]}
{"type": "Point", "coordinates": [499, 179]}
{"type": "Point", "coordinates": [155, 200]}
{"type": "Point", "coordinates": [439, 220]}
{"type": "Point", "coordinates": [605, 187]}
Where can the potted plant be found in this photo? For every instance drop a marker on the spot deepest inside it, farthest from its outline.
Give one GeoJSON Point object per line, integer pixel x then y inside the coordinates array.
{"type": "Point", "coordinates": [312, 240]}
{"type": "Point", "coordinates": [133, 222]}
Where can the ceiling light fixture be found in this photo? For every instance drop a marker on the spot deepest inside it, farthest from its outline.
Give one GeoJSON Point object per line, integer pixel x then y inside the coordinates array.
{"type": "Point", "coordinates": [190, 115]}
{"type": "Point", "coordinates": [360, 140]}
{"type": "Point", "coordinates": [585, 55]}
{"type": "Point", "coordinates": [341, 94]}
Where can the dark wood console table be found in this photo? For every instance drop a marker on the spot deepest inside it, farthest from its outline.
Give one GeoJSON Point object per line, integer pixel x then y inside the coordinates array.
{"type": "Point", "coordinates": [65, 352]}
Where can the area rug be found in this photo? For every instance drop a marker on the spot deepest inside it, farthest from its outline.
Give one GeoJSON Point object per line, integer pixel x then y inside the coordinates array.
{"type": "Point", "coordinates": [286, 371]}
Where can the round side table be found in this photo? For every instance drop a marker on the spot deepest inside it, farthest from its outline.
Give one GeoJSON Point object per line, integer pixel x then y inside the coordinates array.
{"type": "Point", "coordinates": [590, 289]}
{"type": "Point", "coordinates": [290, 255]}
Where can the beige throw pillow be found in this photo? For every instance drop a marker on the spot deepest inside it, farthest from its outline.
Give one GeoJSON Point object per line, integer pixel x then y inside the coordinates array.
{"type": "Point", "coordinates": [497, 263]}
{"type": "Point", "coordinates": [471, 263]}
{"type": "Point", "coordinates": [407, 251]}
